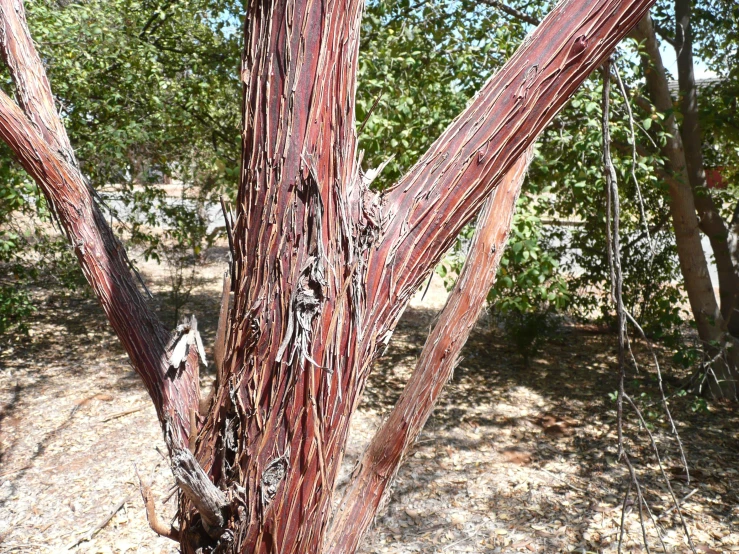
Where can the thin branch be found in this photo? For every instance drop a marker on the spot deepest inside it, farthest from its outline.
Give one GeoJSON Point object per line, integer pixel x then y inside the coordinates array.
{"type": "Point", "coordinates": [640, 198]}
{"type": "Point", "coordinates": [513, 12]}
{"type": "Point", "coordinates": [155, 523]}
{"type": "Point", "coordinates": [434, 368]}
{"type": "Point", "coordinates": [665, 35]}
{"type": "Point", "coordinates": [89, 535]}
{"type": "Point", "coordinates": [676, 504]}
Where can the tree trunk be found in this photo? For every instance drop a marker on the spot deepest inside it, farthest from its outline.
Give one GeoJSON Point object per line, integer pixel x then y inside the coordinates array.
{"type": "Point", "coordinates": [711, 222]}
{"type": "Point", "coordinates": [380, 462]}
{"type": "Point", "coordinates": [322, 267]}
{"type": "Point", "coordinates": [734, 249]}
{"type": "Point", "coordinates": [693, 265]}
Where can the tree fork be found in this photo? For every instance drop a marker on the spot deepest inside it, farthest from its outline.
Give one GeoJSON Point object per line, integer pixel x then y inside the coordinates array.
{"type": "Point", "coordinates": [324, 267]}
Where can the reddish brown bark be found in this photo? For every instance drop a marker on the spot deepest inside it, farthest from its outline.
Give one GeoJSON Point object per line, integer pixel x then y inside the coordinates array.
{"type": "Point", "coordinates": [33, 91]}
{"type": "Point", "coordinates": [381, 460]}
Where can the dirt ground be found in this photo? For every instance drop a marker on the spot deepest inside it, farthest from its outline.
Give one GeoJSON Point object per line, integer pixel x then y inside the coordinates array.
{"type": "Point", "coordinates": [514, 459]}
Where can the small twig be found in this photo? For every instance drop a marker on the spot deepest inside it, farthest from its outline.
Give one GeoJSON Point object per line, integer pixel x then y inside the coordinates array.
{"type": "Point", "coordinates": [662, 391]}
{"type": "Point", "coordinates": [676, 504]}
{"type": "Point", "coordinates": [122, 414]}
{"type": "Point", "coordinates": [15, 471]}
{"type": "Point", "coordinates": [428, 286]}
{"type": "Point", "coordinates": [157, 526]}
{"type": "Point", "coordinates": [369, 113]}
{"type": "Point", "coordinates": [100, 526]}
{"type": "Point", "coordinates": [229, 229]}
{"type": "Point", "coordinates": [680, 504]}
{"type": "Point", "coordinates": [464, 539]}
{"type": "Point", "coordinates": [623, 518]}
{"type": "Point", "coordinates": [513, 12]}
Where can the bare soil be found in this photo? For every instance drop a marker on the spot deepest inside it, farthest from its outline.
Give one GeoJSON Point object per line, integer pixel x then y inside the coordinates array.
{"type": "Point", "coordinates": [514, 459]}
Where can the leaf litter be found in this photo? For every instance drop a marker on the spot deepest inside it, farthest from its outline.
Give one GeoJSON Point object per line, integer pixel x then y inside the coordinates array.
{"type": "Point", "coordinates": [514, 459]}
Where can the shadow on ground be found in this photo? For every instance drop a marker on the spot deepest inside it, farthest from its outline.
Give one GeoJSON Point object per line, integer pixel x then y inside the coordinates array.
{"type": "Point", "coordinates": [514, 458]}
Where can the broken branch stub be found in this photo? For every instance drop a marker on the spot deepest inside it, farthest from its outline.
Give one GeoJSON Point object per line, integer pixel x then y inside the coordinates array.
{"type": "Point", "coordinates": [209, 500]}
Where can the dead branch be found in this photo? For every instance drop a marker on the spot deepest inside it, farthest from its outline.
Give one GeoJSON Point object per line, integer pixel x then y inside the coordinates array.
{"type": "Point", "coordinates": [616, 278]}
{"type": "Point", "coordinates": [155, 523]}
{"type": "Point", "coordinates": [208, 499]}
{"type": "Point", "coordinates": [122, 414]}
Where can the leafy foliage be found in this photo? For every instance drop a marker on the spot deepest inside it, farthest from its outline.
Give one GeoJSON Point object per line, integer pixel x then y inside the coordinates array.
{"type": "Point", "coordinates": [419, 65]}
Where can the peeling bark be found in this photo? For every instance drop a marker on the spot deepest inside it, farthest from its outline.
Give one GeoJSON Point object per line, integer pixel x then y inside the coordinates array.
{"type": "Point", "coordinates": [323, 267]}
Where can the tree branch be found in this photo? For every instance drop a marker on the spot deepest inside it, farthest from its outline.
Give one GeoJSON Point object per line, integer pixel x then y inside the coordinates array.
{"type": "Point", "coordinates": [513, 12]}
{"type": "Point", "coordinates": [40, 143]}
{"type": "Point", "coordinates": [443, 191]}
{"type": "Point", "coordinates": [664, 35]}
{"type": "Point", "coordinates": [32, 88]}
{"type": "Point", "coordinates": [382, 458]}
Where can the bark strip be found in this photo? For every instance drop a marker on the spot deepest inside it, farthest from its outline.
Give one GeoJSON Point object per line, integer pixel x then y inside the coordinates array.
{"type": "Point", "coordinates": [197, 487]}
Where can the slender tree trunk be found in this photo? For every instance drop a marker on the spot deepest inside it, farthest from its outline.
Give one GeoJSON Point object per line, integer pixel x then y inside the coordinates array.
{"type": "Point", "coordinates": [380, 462]}
{"type": "Point", "coordinates": [711, 222]}
{"type": "Point", "coordinates": [323, 268]}
{"type": "Point", "coordinates": [37, 136]}
{"type": "Point", "coordinates": [694, 267]}
{"type": "Point", "coordinates": [734, 248]}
